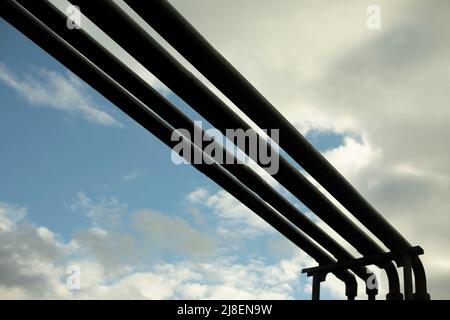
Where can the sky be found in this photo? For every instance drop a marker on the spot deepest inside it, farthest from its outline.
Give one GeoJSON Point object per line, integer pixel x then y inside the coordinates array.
{"type": "Point", "coordinates": [83, 184]}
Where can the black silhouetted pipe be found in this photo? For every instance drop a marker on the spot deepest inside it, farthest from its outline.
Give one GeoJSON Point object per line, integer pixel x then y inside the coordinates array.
{"type": "Point", "coordinates": [176, 30]}
{"type": "Point", "coordinates": [137, 42]}
{"type": "Point", "coordinates": [123, 75]}
{"type": "Point", "coordinates": [60, 50]}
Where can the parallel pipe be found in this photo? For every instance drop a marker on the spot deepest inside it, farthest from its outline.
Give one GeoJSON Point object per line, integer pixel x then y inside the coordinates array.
{"type": "Point", "coordinates": [136, 41]}
{"type": "Point", "coordinates": [175, 29]}
{"type": "Point", "coordinates": [79, 65]}
{"type": "Point", "coordinates": [123, 75]}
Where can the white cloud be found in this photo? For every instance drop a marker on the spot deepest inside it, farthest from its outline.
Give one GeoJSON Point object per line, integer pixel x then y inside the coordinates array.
{"type": "Point", "coordinates": [198, 195]}
{"type": "Point", "coordinates": [132, 175]}
{"type": "Point", "coordinates": [33, 262]}
{"type": "Point", "coordinates": [235, 219]}
{"type": "Point", "coordinates": [107, 212]}
{"type": "Point", "coordinates": [352, 156]}
{"type": "Point", "coordinates": [222, 278]}
{"type": "Point", "coordinates": [49, 89]}
{"type": "Point", "coordinates": [10, 215]}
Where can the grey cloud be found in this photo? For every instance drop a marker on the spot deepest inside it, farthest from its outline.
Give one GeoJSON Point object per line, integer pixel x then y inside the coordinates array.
{"type": "Point", "coordinates": [28, 258]}
{"type": "Point", "coordinates": [110, 248]}
{"type": "Point", "coordinates": [164, 232]}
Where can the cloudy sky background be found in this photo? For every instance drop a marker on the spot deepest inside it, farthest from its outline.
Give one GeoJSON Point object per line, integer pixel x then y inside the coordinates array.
{"type": "Point", "coordinates": [82, 184]}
